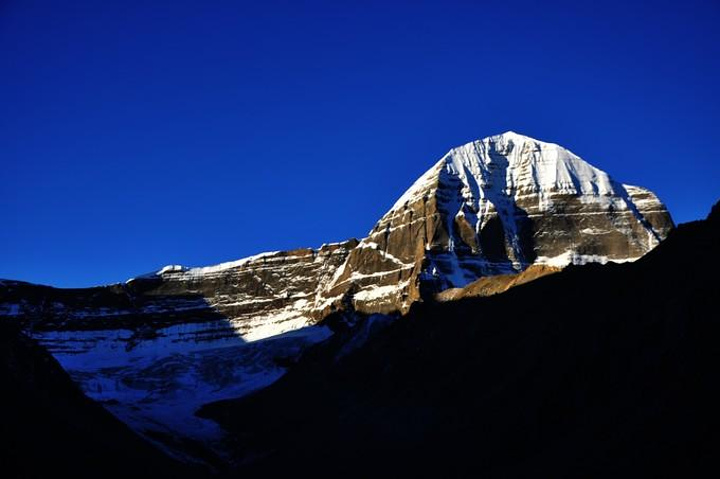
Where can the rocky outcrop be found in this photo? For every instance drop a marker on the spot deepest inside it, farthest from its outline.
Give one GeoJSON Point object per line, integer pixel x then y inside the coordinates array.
{"type": "Point", "coordinates": [496, 206]}
{"type": "Point", "coordinates": [491, 285]}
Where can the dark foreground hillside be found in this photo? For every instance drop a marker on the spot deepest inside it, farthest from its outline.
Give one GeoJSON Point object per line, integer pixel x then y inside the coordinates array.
{"type": "Point", "coordinates": [598, 371]}
{"type": "Point", "coordinates": [48, 428]}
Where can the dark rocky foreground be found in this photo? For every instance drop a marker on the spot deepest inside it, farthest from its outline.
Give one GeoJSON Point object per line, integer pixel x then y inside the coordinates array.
{"type": "Point", "coordinates": [597, 371]}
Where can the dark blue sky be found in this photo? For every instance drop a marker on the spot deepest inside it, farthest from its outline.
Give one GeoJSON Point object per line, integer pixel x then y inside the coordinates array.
{"type": "Point", "coordinates": [137, 134]}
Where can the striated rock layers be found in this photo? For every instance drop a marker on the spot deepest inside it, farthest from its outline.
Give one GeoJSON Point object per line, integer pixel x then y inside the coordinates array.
{"type": "Point", "coordinates": [496, 206]}
{"type": "Point", "coordinates": [256, 297]}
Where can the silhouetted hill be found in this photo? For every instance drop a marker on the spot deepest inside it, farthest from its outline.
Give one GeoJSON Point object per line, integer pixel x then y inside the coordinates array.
{"type": "Point", "coordinates": [597, 371]}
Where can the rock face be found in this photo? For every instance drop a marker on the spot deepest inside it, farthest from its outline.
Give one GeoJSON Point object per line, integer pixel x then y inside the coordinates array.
{"type": "Point", "coordinates": [491, 285]}
{"type": "Point", "coordinates": [497, 206]}
{"type": "Point", "coordinates": [261, 296]}
{"type": "Point", "coordinates": [157, 347]}
{"type": "Point", "coordinates": [254, 298]}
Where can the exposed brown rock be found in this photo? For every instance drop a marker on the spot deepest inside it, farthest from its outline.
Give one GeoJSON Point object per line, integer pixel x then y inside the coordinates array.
{"type": "Point", "coordinates": [490, 285]}
{"type": "Point", "coordinates": [492, 207]}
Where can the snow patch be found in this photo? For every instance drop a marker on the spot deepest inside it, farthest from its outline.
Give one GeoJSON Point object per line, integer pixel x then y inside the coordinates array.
{"type": "Point", "coordinates": [375, 293]}
{"type": "Point", "coordinates": [571, 257]}
{"type": "Point", "coordinates": [159, 384]}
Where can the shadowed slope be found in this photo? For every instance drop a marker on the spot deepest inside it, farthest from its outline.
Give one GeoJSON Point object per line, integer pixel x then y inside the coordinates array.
{"type": "Point", "coordinates": [49, 428]}
{"type": "Point", "coordinates": [598, 371]}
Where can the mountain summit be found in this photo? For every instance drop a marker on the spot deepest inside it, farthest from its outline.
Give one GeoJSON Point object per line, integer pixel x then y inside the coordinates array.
{"type": "Point", "coordinates": [496, 206]}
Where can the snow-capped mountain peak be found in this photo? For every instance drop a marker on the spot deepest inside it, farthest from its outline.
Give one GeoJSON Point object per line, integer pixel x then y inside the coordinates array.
{"type": "Point", "coordinates": [515, 164]}
{"type": "Point", "coordinates": [498, 205]}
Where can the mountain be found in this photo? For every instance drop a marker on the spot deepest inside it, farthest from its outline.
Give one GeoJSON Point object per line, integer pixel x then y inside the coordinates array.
{"type": "Point", "coordinates": [595, 371]}
{"type": "Point", "coordinates": [156, 348]}
{"type": "Point", "coordinates": [496, 206]}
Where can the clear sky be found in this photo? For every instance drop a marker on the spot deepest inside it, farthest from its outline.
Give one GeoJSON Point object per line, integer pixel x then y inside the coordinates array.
{"type": "Point", "coordinates": [136, 134]}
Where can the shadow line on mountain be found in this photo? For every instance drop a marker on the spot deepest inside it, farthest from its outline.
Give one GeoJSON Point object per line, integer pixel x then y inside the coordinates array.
{"type": "Point", "coordinates": [597, 371]}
